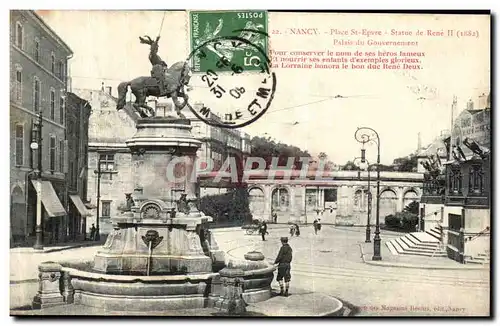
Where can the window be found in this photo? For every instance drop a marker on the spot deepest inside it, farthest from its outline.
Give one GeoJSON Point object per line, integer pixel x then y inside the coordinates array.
{"type": "Point", "coordinates": [52, 63]}
{"type": "Point", "coordinates": [19, 145]}
{"type": "Point", "coordinates": [61, 110]}
{"type": "Point", "coordinates": [36, 95]}
{"type": "Point", "coordinates": [476, 179]}
{"type": "Point", "coordinates": [107, 162]}
{"type": "Point", "coordinates": [52, 153]}
{"type": "Point", "coordinates": [59, 69]}
{"type": "Point", "coordinates": [19, 35]}
{"type": "Point", "coordinates": [455, 180]}
{"type": "Point", "coordinates": [61, 155]}
{"type": "Point", "coordinates": [52, 104]}
{"type": "Point", "coordinates": [36, 50]}
{"type": "Point", "coordinates": [63, 71]}
{"type": "Point", "coordinates": [106, 209]}
{"type": "Point", "coordinates": [19, 84]}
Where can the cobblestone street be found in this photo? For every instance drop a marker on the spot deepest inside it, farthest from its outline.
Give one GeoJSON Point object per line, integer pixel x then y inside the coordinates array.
{"type": "Point", "coordinates": [330, 263]}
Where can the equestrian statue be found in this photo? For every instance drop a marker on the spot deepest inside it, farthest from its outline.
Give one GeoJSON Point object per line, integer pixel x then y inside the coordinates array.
{"type": "Point", "coordinates": [163, 82]}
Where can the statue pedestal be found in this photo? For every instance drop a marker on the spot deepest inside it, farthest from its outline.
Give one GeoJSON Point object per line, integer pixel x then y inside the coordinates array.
{"type": "Point", "coordinates": [148, 240]}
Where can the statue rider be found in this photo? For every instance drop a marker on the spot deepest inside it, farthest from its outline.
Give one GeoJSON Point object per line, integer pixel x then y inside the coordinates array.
{"type": "Point", "coordinates": [159, 66]}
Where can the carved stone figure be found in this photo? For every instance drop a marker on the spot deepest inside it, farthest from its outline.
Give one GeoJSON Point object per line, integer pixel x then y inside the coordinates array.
{"type": "Point", "coordinates": [129, 201]}
{"type": "Point", "coordinates": [163, 82]}
{"type": "Point", "coordinates": [182, 205]}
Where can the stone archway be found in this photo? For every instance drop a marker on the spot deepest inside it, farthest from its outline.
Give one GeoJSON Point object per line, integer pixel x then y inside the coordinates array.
{"type": "Point", "coordinates": [388, 203]}
{"type": "Point", "coordinates": [280, 203]}
{"type": "Point", "coordinates": [17, 214]}
{"type": "Point", "coordinates": [256, 202]}
{"type": "Point", "coordinates": [358, 200]}
{"type": "Point", "coordinates": [280, 199]}
{"type": "Point", "coordinates": [410, 196]}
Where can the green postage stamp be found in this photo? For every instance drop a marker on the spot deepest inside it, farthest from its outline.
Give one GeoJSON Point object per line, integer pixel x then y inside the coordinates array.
{"type": "Point", "coordinates": [226, 27]}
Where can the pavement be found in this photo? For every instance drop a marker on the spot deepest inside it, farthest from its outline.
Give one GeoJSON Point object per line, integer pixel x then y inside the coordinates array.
{"type": "Point", "coordinates": [328, 264]}
{"type": "Point", "coordinates": [412, 261]}
{"type": "Point", "coordinates": [56, 247]}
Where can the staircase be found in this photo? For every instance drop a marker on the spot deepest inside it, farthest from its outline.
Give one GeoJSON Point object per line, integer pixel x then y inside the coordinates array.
{"type": "Point", "coordinates": [481, 258]}
{"type": "Point", "coordinates": [419, 244]}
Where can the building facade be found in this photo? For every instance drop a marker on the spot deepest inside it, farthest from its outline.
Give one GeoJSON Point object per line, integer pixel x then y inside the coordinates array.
{"type": "Point", "coordinates": [458, 202]}
{"type": "Point", "coordinates": [338, 197]}
{"type": "Point", "coordinates": [38, 85]}
{"type": "Point", "coordinates": [107, 146]}
{"type": "Point", "coordinates": [78, 113]}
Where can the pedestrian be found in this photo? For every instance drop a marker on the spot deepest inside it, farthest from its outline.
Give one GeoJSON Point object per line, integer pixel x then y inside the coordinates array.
{"type": "Point", "coordinates": [319, 224]}
{"type": "Point", "coordinates": [275, 217]}
{"type": "Point", "coordinates": [292, 230]}
{"type": "Point", "coordinates": [92, 232]}
{"type": "Point", "coordinates": [297, 230]}
{"type": "Point", "coordinates": [315, 225]}
{"type": "Point", "coordinates": [283, 260]}
{"type": "Point", "coordinates": [263, 230]}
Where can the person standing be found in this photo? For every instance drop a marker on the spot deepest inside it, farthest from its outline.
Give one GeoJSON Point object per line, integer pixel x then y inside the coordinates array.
{"type": "Point", "coordinates": [297, 230]}
{"type": "Point", "coordinates": [275, 217]}
{"type": "Point", "coordinates": [283, 260]}
{"type": "Point", "coordinates": [315, 225]}
{"type": "Point", "coordinates": [92, 232]}
{"type": "Point", "coordinates": [263, 230]}
{"type": "Point", "coordinates": [292, 230]}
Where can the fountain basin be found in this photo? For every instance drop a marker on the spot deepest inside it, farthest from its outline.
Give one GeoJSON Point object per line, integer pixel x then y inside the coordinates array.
{"type": "Point", "coordinates": [257, 278]}
{"type": "Point", "coordinates": [140, 293]}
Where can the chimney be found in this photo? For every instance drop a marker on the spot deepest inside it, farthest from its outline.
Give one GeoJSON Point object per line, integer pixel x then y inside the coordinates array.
{"type": "Point", "coordinates": [108, 90]}
{"type": "Point", "coordinates": [419, 143]}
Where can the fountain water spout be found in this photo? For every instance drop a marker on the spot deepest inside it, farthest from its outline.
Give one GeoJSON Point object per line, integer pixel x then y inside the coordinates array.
{"type": "Point", "coordinates": [151, 239]}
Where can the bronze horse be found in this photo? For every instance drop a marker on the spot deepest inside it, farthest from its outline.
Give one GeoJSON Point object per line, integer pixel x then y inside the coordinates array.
{"type": "Point", "coordinates": [176, 77]}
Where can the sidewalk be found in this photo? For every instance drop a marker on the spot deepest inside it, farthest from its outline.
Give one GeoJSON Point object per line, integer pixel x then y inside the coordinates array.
{"type": "Point", "coordinates": [57, 247]}
{"type": "Point", "coordinates": [410, 261]}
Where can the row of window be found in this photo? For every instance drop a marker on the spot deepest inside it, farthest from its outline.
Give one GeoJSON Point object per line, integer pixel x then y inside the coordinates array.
{"type": "Point", "coordinates": [54, 149]}
{"type": "Point", "coordinates": [18, 96]}
{"type": "Point", "coordinates": [476, 180]}
{"type": "Point", "coordinates": [58, 68]}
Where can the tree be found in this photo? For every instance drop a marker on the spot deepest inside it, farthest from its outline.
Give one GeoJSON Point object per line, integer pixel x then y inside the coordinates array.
{"type": "Point", "coordinates": [328, 165]}
{"type": "Point", "coordinates": [349, 166]}
{"type": "Point", "coordinates": [268, 148]}
{"type": "Point", "coordinates": [412, 207]}
{"type": "Point", "coordinates": [406, 164]}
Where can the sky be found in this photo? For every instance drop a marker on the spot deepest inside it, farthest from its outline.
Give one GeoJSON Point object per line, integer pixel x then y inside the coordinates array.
{"type": "Point", "coordinates": [304, 111]}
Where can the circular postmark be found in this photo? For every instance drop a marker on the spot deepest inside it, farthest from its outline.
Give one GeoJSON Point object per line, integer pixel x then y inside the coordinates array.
{"type": "Point", "coordinates": [223, 93]}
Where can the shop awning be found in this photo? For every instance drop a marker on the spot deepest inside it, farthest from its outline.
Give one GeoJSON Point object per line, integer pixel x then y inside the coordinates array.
{"type": "Point", "coordinates": [79, 205]}
{"type": "Point", "coordinates": [50, 201]}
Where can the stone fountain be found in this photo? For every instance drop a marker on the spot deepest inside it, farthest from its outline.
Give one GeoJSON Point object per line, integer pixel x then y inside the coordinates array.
{"type": "Point", "coordinates": [150, 239]}
{"type": "Point", "coordinates": [161, 251]}
{"type": "Point", "coordinates": [161, 254]}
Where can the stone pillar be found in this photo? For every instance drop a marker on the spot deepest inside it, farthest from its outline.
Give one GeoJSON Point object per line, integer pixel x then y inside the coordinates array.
{"type": "Point", "coordinates": [231, 300]}
{"type": "Point", "coordinates": [267, 203]}
{"type": "Point", "coordinates": [291, 207]}
{"type": "Point", "coordinates": [302, 213]}
{"type": "Point", "coordinates": [49, 293]}
{"type": "Point", "coordinates": [400, 202]}
{"type": "Point", "coordinates": [68, 290]}
{"type": "Point", "coordinates": [321, 199]}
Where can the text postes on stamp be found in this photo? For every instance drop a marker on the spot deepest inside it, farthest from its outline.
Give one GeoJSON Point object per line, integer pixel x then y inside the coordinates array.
{"type": "Point", "coordinates": [230, 100]}
{"type": "Point", "coordinates": [247, 25]}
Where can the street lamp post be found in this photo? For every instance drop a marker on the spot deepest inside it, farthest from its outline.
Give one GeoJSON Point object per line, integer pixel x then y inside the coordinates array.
{"type": "Point", "coordinates": [98, 172]}
{"type": "Point", "coordinates": [38, 175]}
{"type": "Point", "coordinates": [368, 229]}
{"type": "Point", "coordinates": [365, 135]}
